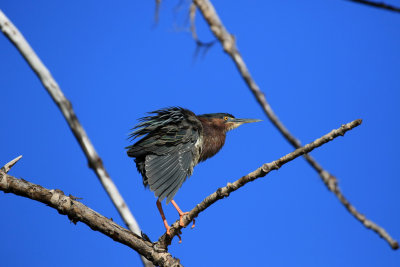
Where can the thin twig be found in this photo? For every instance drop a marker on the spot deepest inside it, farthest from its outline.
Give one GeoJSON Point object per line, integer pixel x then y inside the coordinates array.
{"type": "Point", "coordinates": [200, 45]}
{"type": "Point", "coordinates": [7, 167]}
{"type": "Point", "coordinates": [229, 45]}
{"type": "Point", "coordinates": [192, 16]}
{"type": "Point", "coordinates": [380, 5]}
{"type": "Point", "coordinates": [78, 212]}
{"type": "Point", "coordinates": [49, 83]}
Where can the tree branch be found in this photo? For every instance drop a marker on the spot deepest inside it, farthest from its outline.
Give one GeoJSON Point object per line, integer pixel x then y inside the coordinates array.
{"type": "Point", "coordinates": [262, 171]}
{"type": "Point", "coordinates": [380, 5]}
{"type": "Point", "coordinates": [229, 45]}
{"type": "Point", "coordinates": [200, 45]}
{"type": "Point", "coordinates": [49, 83]}
{"type": "Point", "coordinates": [6, 168]}
{"type": "Point", "coordinates": [77, 212]}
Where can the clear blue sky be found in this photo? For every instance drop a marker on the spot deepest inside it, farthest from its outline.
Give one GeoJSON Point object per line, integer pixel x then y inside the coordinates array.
{"type": "Point", "coordinates": [320, 63]}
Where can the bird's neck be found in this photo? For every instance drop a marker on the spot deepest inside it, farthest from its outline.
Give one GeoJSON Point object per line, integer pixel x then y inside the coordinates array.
{"type": "Point", "coordinates": [213, 139]}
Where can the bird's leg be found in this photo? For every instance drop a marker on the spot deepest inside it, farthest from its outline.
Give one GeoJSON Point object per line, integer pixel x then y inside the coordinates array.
{"type": "Point", "coordinates": [181, 213]}
{"type": "Point", "coordinates": [165, 220]}
{"type": "Point", "coordinates": [163, 216]}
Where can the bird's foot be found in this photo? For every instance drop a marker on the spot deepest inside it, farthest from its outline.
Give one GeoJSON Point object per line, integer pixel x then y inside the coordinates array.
{"type": "Point", "coordinates": [168, 232]}
{"type": "Point", "coordinates": [170, 235]}
{"type": "Point", "coordinates": [181, 214]}
{"type": "Point", "coordinates": [180, 239]}
{"type": "Point", "coordinates": [181, 219]}
{"type": "Point", "coordinates": [178, 234]}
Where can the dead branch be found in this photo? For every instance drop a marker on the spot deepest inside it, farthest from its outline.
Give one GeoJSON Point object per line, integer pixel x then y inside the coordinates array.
{"type": "Point", "coordinates": [51, 86]}
{"type": "Point", "coordinates": [262, 171]}
{"type": "Point", "coordinates": [228, 43]}
{"type": "Point", "coordinates": [77, 212]}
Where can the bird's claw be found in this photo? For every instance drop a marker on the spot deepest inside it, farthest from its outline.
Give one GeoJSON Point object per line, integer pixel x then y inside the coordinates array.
{"type": "Point", "coordinates": [181, 219]}
{"type": "Point", "coordinates": [180, 239]}
{"type": "Point", "coordinates": [170, 235]}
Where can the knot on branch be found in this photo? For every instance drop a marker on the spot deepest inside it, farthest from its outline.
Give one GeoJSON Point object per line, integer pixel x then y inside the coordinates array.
{"type": "Point", "coordinates": [267, 167]}
{"type": "Point", "coordinates": [57, 194]}
{"type": "Point", "coordinates": [96, 163]}
{"type": "Point", "coordinates": [341, 133]}
{"type": "Point", "coordinates": [64, 205]}
{"type": "Point", "coordinates": [160, 247]}
{"type": "Point", "coordinates": [221, 193]}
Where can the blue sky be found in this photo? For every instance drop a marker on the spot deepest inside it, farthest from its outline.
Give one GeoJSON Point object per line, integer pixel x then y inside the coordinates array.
{"type": "Point", "coordinates": [320, 64]}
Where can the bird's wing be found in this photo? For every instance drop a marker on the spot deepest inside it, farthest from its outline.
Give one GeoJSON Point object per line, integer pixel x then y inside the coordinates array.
{"type": "Point", "coordinates": [166, 174]}
{"type": "Point", "coordinates": [171, 161]}
{"type": "Point", "coordinates": [170, 153]}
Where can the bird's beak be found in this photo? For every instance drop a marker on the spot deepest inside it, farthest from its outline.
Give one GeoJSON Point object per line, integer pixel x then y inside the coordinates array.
{"type": "Point", "coordinates": [234, 123]}
{"type": "Point", "coordinates": [241, 121]}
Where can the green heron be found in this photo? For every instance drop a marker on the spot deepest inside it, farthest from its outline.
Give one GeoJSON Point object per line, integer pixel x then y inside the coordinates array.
{"type": "Point", "coordinates": [175, 140]}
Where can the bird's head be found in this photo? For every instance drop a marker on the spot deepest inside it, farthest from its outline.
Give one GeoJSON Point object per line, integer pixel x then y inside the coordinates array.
{"type": "Point", "coordinates": [225, 121]}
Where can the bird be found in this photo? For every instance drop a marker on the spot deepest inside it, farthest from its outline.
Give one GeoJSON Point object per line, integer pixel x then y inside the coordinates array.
{"type": "Point", "coordinates": [173, 141]}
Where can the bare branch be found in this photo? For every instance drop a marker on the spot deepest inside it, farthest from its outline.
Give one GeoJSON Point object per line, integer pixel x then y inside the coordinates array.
{"type": "Point", "coordinates": [228, 43]}
{"type": "Point", "coordinates": [361, 217]}
{"type": "Point", "coordinates": [262, 171]}
{"type": "Point", "coordinates": [77, 212]}
{"type": "Point", "coordinates": [6, 168]}
{"type": "Point", "coordinates": [49, 83]}
{"type": "Point", "coordinates": [380, 5]}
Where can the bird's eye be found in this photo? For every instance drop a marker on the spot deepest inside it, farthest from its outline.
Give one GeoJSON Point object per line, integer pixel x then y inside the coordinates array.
{"type": "Point", "coordinates": [225, 118]}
